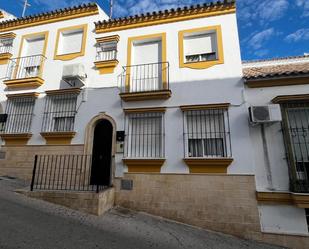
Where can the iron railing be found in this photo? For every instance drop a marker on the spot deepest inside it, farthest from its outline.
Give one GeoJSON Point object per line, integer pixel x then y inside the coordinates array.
{"type": "Point", "coordinates": [207, 133]}
{"type": "Point", "coordinates": [6, 46]}
{"type": "Point", "coordinates": [296, 136]}
{"type": "Point", "coordinates": [144, 78]}
{"type": "Point", "coordinates": [106, 55]}
{"type": "Point", "coordinates": [25, 67]}
{"type": "Point", "coordinates": [144, 135]}
{"type": "Point", "coordinates": [19, 114]}
{"type": "Point", "coordinates": [64, 172]}
{"type": "Point", "coordinates": [59, 113]}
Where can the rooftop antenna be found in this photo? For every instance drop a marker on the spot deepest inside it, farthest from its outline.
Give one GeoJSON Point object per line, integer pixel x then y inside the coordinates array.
{"type": "Point", "coordinates": [111, 9]}
{"type": "Point", "coordinates": [26, 4]}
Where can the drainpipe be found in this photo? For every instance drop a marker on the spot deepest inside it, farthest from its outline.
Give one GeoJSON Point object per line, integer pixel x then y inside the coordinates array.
{"type": "Point", "coordinates": [266, 159]}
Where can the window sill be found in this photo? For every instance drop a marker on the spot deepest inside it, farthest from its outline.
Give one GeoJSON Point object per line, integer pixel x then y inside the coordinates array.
{"type": "Point", "coordinates": [300, 200]}
{"type": "Point", "coordinates": [142, 165]}
{"type": "Point", "coordinates": [201, 64]}
{"type": "Point", "coordinates": [67, 57]}
{"type": "Point", "coordinates": [106, 67]}
{"type": "Point", "coordinates": [138, 96]}
{"type": "Point", "coordinates": [4, 58]}
{"type": "Point", "coordinates": [58, 137]}
{"type": "Point", "coordinates": [208, 165]}
{"type": "Point", "coordinates": [15, 139]}
{"type": "Point", "coordinates": [31, 82]}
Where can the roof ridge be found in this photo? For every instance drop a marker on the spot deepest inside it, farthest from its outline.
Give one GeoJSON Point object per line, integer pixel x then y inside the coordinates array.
{"type": "Point", "coordinates": [276, 59]}
{"type": "Point", "coordinates": [213, 4]}
{"type": "Point", "coordinates": [59, 10]}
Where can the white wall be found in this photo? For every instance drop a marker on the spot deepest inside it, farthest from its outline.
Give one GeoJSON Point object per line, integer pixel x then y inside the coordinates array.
{"type": "Point", "coordinates": [283, 219]}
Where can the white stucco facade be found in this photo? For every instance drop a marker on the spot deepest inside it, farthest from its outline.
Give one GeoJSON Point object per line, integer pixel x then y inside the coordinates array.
{"type": "Point", "coordinates": [221, 83]}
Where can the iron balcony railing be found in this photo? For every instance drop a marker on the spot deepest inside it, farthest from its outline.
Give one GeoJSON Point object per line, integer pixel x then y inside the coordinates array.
{"type": "Point", "coordinates": [6, 49]}
{"type": "Point", "coordinates": [25, 67]}
{"type": "Point", "coordinates": [144, 78]}
{"type": "Point", "coordinates": [106, 55]}
{"type": "Point", "coordinates": [64, 172]}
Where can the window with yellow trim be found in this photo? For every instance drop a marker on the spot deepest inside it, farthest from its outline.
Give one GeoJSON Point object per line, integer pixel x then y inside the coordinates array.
{"type": "Point", "coordinates": [70, 42]}
{"type": "Point", "coordinates": [200, 48]}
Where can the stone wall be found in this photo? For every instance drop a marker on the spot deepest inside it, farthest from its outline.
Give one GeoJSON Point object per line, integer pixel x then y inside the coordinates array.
{"type": "Point", "coordinates": [88, 202]}
{"type": "Point", "coordinates": [18, 160]}
{"type": "Point", "coordinates": [224, 203]}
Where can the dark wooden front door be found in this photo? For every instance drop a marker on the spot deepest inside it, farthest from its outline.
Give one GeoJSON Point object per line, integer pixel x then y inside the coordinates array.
{"type": "Point", "coordinates": [101, 154]}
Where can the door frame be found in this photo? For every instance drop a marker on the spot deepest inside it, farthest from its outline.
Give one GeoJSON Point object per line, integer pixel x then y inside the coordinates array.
{"type": "Point", "coordinates": [89, 135]}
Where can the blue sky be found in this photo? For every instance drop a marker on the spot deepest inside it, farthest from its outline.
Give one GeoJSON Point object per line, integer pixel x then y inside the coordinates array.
{"type": "Point", "coordinates": [267, 28]}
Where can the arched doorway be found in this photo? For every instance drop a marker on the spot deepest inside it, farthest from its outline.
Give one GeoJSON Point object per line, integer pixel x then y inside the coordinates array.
{"type": "Point", "coordinates": [102, 153]}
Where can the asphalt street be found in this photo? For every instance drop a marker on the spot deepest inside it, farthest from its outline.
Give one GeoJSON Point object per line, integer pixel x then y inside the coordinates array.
{"type": "Point", "coordinates": [29, 223]}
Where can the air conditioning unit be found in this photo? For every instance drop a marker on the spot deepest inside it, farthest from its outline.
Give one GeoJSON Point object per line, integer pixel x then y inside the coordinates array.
{"type": "Point", "coordinates": [265, 114]}
{"type": "Point", "coordinates": [74, 74]}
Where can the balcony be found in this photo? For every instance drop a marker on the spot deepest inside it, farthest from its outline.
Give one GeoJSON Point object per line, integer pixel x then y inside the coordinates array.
{"type": "Point", "coordinates": [25, 72]}
{"type": "Point", "coordinates": [5, 52]}
{"type": "Point", "coordinates": [106, 61]}
{"type": "Point", "coordinates": [145, 82]}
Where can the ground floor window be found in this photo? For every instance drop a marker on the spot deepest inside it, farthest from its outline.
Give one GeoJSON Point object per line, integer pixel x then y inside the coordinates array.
{"type": "Point", "coordinates": [207, 133]}
{"type": "Point", "coordinates": [144, 135]}
{"type": "Point", "coordinates": [59, 113]}
{"type": "Point", "coordinates": [19, 113]}
{"type": "Point", "coordinates": [296, 130]}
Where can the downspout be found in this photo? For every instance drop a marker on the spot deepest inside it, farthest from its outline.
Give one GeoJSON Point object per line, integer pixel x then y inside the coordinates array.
{"type": "Point", "coordinates": [266, 159]}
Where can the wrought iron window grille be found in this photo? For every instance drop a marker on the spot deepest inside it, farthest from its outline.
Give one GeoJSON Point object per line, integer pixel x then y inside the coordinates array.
{"type": "Point", "coordinates": [207, 133]}
{"type": "Point", "coordinates": [144, 135]}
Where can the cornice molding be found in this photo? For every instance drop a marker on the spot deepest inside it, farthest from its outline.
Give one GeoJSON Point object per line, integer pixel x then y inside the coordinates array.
{"type": "Point", "coordinates": [50, 17]}
{"type": "Point", "coordinates": [167, 16]}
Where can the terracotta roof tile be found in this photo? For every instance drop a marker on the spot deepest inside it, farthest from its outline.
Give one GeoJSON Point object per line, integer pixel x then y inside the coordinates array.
{"type": "Point", "coordinates": [285, 70]}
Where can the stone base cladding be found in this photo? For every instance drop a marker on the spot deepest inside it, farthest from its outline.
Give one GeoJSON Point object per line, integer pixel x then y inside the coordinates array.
{"type": "Point", "coordinates": [224, 203]}
{"type": "Point", "coordinates": [18, 160]}
{"type": "Point", "coordinates": [88, 202]}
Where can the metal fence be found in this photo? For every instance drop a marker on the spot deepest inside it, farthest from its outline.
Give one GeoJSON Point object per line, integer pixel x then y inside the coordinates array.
{"type": "Point", "coordinates": [144, 77]}
{"type": "Point", "coordinates": [296, 134]}
{"type": "Point", "coordinates": [19, 113]}
{"type": "Point", "coordinates": [64, 172]}
{"type": "Point", "coordinates": [25, 67]}
{"type": "Point", "coordinates": [59, 113]}
{"type": "Point", "coordinates": [144, 135]}
{"type": "Point", "coordinates": [207, 133]}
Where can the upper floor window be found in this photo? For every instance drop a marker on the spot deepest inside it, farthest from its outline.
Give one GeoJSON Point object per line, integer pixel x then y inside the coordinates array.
{"type": "Point", "coordinates": [207, 132]}
{"type": "Point", "coordinates": [19, 113]}
{"type": "Point", "coordinates": [200, 48]}
{"type": "Point", "coordinates": [71, 42]}
{"type": "Point", "coordinates": [60, 111]}
{"type": "Point", "coordinates": [144, 135]}
{"type": "Point", "coordinates": [107, 48]}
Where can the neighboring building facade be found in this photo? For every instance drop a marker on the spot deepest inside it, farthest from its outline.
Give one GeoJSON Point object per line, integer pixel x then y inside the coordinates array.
{"type": "Point", "coordinates": [158, 101]}
{"type": "Point", "coordinates": [280, 148]}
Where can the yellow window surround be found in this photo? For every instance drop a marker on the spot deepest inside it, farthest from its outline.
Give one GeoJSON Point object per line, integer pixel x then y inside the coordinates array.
{"type": "Point", "coordinates": [5, 56]}
{"type": "Point", "coordinates": [200, 64]}
{"type": "Point", "coordinates": [71, 56]}
{"type": "Point", "coordinates": [107, 66]}
{"type": "Point", "coordinates": [30, 81]}
{"type": "Point", "coordinates": [131, 40]}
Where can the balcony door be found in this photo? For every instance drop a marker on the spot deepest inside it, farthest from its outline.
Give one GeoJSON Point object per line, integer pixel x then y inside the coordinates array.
{"type": "Point", "coordinates": [146, 69]}
{"type": "Point", "coordinates": [30, 59]}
